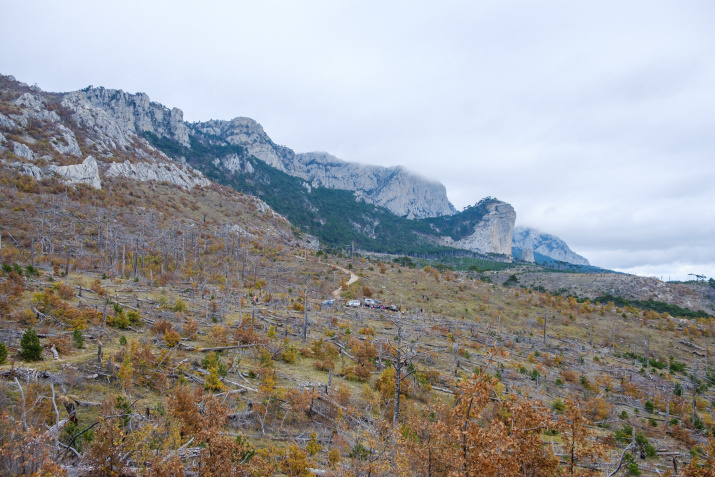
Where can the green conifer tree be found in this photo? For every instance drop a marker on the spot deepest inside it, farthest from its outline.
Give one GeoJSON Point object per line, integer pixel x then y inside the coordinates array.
{"type": "Point", "coordinates": [31, 347]}
{"type": "Point", "coordinates": [78, 338]}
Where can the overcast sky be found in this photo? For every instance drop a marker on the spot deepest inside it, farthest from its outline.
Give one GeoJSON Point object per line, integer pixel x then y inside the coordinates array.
{"type": "Point", "coordinates": [595, 120]}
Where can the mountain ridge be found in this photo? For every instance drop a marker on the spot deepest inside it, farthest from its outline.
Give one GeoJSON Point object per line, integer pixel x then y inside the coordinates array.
{"type": "Point", "coordinates": [132, 136]}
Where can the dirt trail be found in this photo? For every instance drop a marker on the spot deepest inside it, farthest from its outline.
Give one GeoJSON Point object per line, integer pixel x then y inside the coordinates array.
{"type": "Point", "coordinates": [353, 279]}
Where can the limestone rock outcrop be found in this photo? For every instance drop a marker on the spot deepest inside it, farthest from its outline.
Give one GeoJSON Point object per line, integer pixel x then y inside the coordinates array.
{"type": "Point", "coordinates": [182, 176]}
{"type": "Point", "coordinates": [118, 117]}
{"type": "Point", "coordinates": [493, 234]}
{"type": "Point", "coordinates": [527, 255]}
{"type": "Point", "coordinates": [87, 172]}
{"type": "Point", "coordinates": [248, 134]}
{"type": "Point", "coordinates": [137, 113]}
{"type": "Point", "coordinates": [547, 245]}
{"type": "Point", "coordinates": [402, 192]}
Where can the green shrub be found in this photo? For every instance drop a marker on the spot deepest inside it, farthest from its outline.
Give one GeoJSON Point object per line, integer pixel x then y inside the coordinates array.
{"type": "Point", "coordinates": [3, 353]}
{"type": "Point", "coordinates": [558, 406]}
{"type": "Point", "coordinates": [624, 434]}
{"type": "Point", "coordinates": [78, 338]}
{"type": "Point", "coordinates": [31, 349]}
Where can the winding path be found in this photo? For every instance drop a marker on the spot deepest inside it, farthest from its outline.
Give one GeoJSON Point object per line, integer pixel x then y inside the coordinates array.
{"type": "Point", "coordinates": [353, 279]}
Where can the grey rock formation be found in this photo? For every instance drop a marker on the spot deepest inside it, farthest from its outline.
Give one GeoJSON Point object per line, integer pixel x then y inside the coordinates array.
{"type": "Point", "coordinates": [493, 234]}
{"type": "Point", "coordinates": [527, 255]}
{"type": "Point", "coordinates": [546, 244]}
{"type": "Point", "coordinates": [7, 122]}
{"type": "Point", "coordinates": [395, 188]}
{"type": "Point", "coordinates": [182, 176]}
{"type": "Point", "coordinates": [21, 150]}
{"type": "Point", "coordinates": [70, 146]}
{"type": "Point", "coordinates": [87, 173]}
{"type": "Point", "coordinates": [235, 164]}
{"type": "Point", "coordinates": [247, 133]}
{"type": "Point", "coordinates": [107, 133]}
{"type": "Point", "coordinates": [30, 101]}
{"type": "Point", "coordinates": [116, 119]}
{"type": "Point", "coordinates": [30, 170]}
{"type": "Point", "coordinates": [136, 113]}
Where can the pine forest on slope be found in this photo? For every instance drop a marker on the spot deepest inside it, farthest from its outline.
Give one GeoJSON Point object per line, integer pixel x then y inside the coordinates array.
{"type": "Point", "coordinates": [333, 215]}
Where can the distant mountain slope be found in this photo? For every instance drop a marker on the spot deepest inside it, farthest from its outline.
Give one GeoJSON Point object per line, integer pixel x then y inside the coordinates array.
{"type": "Point", "coordinates": [401, 191]}
{"type": "Point", "coordinates": [334, 215]}
{"type": "Point", "coordinates": [86, 135]}
{"type": "Point", "coordinates": [545, 244]}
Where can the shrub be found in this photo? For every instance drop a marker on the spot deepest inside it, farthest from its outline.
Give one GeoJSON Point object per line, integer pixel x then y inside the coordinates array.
{"type": "Point", "coordinates": [78, 338]}
{"type": "Point", "coordinates": [179, 305]}
{"type": "Point", "coordinates": [172, 338]}
{"type": "Point", "coordinates": [31, 347]}
{"type": "Point", "coordinates": [3, 353]}
{"type": "Point", "coordinates": [624, 434]}
{"type": "Point", "coordinates": [64, 291]}
{"type": "Point", "coordinates": [289, 354]}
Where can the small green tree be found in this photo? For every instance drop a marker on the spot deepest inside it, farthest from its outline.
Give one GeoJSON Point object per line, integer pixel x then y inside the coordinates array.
{"type": "Point", "coordinates": [78, 338]}
{"type": "Point", "coordinates": [31, 347]}
{"type": "Point", "coordinates": [3, 353]}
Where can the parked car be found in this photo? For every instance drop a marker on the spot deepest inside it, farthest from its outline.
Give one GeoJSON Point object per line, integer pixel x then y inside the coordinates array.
{"type": "Point", "coordinates": [370, 303]}
{"type": "Point", "coordinates": [328, 303]}
{"type": "Point", "coordinates": [393, 308]}
{"type": "Point", "coordinates": [354, 303]}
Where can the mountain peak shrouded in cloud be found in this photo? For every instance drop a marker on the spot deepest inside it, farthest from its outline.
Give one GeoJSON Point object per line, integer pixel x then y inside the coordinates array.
{"type": "Point", "coordinates": [545, 244]}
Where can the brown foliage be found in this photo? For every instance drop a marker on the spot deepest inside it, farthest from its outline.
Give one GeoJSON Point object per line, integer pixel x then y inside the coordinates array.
{"type": "Point", "coordinates": [247, 335]}
{"type": "Point", "coordinates": [97, 288]}
{"type": "Point", "coordinates": [65, 291]}
{"type": "Point", "coordinates": [485, 438]}
{"type": "Point", "coordinates": [696, 468]}
{"type": "Point", "coordinates": [161, 327]}
{"type": "Point", "coordinates": [23, 452]}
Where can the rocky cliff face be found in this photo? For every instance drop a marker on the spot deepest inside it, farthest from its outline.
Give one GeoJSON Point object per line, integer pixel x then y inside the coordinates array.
{"type": "Point", "coordinates": [86, 173]}
{"type": "Point", "coordinates": [136, 113]}
{"type": "Point", "coordinates": [182, 176]}
{"type": "Point", "coordinates": [527, 255]}
{"type": "Point", "coordinates": [493, 234]}
{"type": "Point", "coordinates": [545, 244]}
{"type": "Point", "coordinates": [119, 116]}
{"type": "Point", "coordinates": [107, 121]}
{"type": "Point", "coordinates": [397, 189]}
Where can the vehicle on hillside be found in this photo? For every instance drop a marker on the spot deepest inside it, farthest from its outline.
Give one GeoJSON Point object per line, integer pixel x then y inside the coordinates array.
{"type": "Point", "coordinates": [328, 303]}
{"type": "Point", "coordinates": [393, 308]}
{"type": "Point", "coordinates": [370, 303]}
{"type": "Point", "coordinates": [354, 303]}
